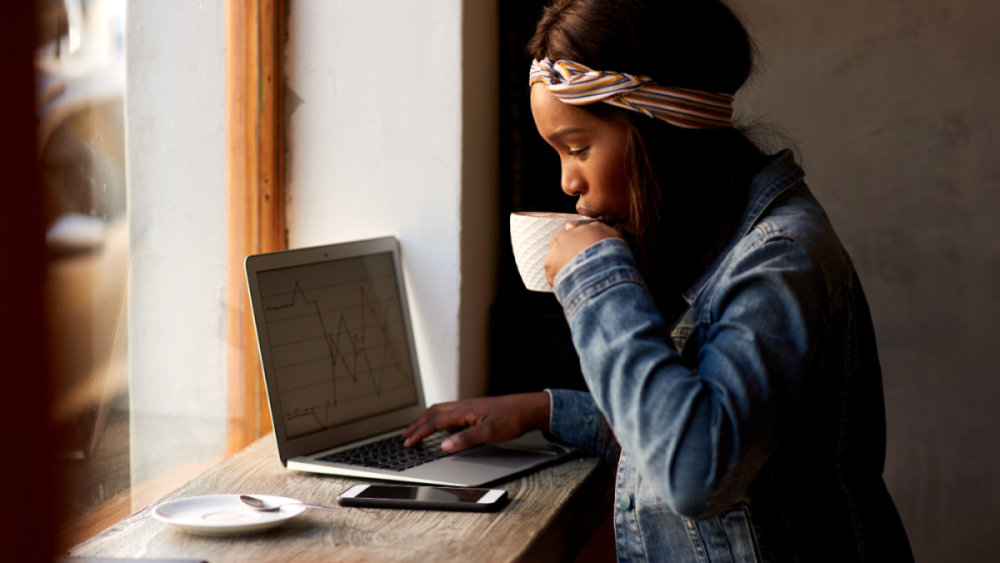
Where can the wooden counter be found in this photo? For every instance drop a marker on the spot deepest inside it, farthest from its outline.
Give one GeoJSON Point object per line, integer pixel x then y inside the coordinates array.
{"type": "Point", "coordinates": [550, 516]}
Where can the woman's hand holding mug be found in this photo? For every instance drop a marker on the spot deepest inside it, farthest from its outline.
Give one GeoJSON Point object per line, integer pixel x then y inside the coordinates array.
{"type": "Point", "coordinates": [574, 240]}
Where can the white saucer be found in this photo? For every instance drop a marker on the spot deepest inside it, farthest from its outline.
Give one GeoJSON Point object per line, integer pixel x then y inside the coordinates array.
{"type": "Point", "coordinates": [223, 515]}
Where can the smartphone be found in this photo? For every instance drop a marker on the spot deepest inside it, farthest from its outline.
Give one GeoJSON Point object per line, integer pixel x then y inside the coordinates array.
{"type": "Point", "coordinates": [426, 498]}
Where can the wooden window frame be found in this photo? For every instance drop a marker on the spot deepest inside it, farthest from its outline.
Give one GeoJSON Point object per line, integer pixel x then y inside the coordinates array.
{"type": "Point", "coordinates": [256, 32]}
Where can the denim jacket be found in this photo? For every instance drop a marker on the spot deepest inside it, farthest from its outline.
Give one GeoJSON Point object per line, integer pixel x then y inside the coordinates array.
{"type": "Point", "coordinates": [753, 429]}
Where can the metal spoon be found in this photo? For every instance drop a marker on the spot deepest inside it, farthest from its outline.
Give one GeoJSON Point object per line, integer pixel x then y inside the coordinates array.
{"type": "Point", "coordinates": [264, 506]}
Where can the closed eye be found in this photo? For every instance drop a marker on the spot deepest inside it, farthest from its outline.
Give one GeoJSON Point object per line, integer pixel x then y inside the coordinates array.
{"type": "Point", "coordinates": [577, 152]}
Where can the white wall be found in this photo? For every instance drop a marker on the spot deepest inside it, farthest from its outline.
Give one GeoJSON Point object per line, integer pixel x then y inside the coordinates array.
{"type": "Point", "coordinates": [175, 121]}
{"type": "Point", "coordinates": [376, 148]}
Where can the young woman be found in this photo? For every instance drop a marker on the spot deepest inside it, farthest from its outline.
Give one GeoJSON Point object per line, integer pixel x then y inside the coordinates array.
{"type": "Point", "coordinates": [720, 324]}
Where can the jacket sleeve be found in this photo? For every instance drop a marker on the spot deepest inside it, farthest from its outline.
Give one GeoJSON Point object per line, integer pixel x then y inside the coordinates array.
{"type": "Point", "coordinates": [699, 436]}
{"type": "Point", "coordinates": [575, 420]}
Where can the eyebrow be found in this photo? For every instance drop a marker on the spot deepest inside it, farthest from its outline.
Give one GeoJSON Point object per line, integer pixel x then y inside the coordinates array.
{"type": "Point", "coordinates": [563, 132]}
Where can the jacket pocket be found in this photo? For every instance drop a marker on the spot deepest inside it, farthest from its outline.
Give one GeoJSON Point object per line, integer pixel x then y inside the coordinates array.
{"type": "Point", "coordinates": [730, 536]}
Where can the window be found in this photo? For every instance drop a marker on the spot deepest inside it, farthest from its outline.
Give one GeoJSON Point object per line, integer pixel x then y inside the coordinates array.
{"type": "Point", "coordinates": [80, 69]}
{"type": "Point", "coordinates": [153, 198]}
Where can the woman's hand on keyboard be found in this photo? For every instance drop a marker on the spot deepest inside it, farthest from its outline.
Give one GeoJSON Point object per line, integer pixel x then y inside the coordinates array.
{"type": "Point", "coordinates": [489, 419]}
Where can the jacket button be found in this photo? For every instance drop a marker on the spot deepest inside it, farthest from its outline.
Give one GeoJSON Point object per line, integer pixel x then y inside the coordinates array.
{"type": "Point", "coordinates": [625, 502]}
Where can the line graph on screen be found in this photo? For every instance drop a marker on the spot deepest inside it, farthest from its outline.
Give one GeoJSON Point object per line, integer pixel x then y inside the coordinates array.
{"type": "Point", "coordinates": [338, 350]}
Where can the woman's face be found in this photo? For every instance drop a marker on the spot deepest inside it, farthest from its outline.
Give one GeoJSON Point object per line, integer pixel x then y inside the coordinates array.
{"type": "Point", "coordinates": [592, 151]}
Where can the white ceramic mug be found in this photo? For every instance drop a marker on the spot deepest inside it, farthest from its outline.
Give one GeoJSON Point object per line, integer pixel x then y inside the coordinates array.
{"type": "Point", "coordinates": [531, 236]}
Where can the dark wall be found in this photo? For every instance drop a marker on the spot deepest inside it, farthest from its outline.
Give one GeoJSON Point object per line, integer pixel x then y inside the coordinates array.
{"type": "Point", "coordinates": [531, 323]}
{"type": "Point", "coordinates": [894, 106]}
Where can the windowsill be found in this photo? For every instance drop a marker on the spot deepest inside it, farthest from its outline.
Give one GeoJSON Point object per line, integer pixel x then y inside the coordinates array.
{"type": "Point", "coordinates": [137, 498]}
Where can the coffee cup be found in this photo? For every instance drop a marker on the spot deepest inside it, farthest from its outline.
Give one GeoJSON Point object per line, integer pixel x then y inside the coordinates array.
{"type": "Point", "coordinates": [531, 236]}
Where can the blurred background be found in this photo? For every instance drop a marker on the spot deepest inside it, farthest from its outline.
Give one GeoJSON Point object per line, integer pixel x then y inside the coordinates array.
{"type": "Point", "coordinates": [134, 417]}
{"type": "Point", "coordinates": [80, 69]}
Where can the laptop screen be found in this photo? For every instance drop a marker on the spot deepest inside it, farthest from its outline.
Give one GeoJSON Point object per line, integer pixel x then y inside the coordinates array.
{"type": "Point", "coordinates": [337, 342]}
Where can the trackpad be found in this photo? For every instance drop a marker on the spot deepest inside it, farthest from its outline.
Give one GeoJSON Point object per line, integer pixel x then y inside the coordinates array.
{"type": "Point", "coordinates": [503, 457]}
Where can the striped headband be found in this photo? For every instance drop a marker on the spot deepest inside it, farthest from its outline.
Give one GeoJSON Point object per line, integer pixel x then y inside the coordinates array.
{"type": "Point", "coordinates": [578, 85]}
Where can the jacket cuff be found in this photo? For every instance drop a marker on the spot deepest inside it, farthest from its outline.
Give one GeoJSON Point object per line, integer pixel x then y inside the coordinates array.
{"type": "Point", "coordinates": [574, 418]}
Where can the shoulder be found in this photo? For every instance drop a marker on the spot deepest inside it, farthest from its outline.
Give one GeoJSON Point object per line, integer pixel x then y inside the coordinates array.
{"type": "Point", "coordinates": [792, 242]}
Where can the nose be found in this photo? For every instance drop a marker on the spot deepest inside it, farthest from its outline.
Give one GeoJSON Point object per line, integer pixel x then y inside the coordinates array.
{"type": "Point", "coordinates": [573, 182]}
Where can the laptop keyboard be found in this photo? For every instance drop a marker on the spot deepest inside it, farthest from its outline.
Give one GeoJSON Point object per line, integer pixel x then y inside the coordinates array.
{"type": "Point", "coordinates": [391, 454]}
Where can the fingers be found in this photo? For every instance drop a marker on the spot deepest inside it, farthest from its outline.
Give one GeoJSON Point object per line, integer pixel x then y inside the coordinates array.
{"type": "Point", "coordinates": [572, 241]}
{"type": "Point", "coordinates": [426, 415]}
{"type": "Point", "coordinates": [425, 430]}
{"type": "Point", "coordinates": [442, 420]}
{"type": "Point", "coordinates": [469, 437]}
{"type": "Point", "coordinates": [486, 419]}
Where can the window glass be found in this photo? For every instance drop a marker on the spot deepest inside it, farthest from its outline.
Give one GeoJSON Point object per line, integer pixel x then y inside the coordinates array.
{"type": "Point", "coordinates": [81, 84]}
{"type": "Point", "coordinates": [135, 193]}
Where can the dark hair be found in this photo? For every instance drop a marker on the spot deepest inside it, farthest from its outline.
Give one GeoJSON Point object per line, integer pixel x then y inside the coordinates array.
{"type": "Point", "coordinates": [687, 187]}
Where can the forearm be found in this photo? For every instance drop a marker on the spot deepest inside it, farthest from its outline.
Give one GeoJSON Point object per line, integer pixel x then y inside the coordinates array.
{"type": "Point", "coordinates": [698, 437]}
{"type": "Point", "coordinates": [678, 434]}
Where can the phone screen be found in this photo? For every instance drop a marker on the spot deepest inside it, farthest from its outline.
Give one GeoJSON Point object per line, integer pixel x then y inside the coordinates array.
{"type": "Point", "coordinates": [424, 494]}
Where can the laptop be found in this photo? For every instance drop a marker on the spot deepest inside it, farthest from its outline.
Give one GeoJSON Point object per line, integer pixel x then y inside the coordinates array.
{"type": "Point", "coordinates": [342, 376]}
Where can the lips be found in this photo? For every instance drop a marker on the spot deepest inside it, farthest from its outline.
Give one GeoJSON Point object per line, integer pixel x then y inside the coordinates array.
{"type": "Point", "coordinates": [590, 213]}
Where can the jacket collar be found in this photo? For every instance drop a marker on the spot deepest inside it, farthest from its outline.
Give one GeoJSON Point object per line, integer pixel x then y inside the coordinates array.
{"type": "Point", "coordinates": [773, 182]}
